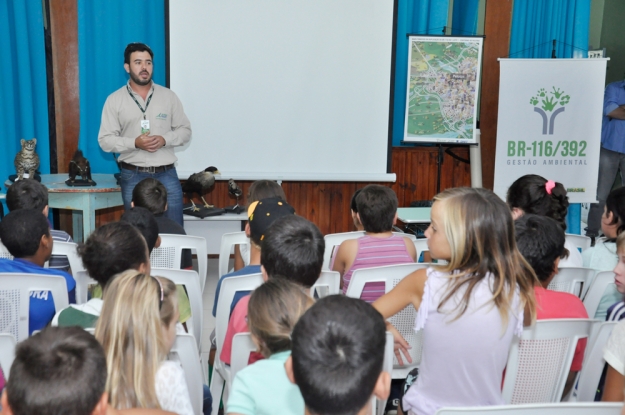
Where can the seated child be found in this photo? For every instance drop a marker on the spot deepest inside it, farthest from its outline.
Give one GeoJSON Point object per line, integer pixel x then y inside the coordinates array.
{"type": "Point", "coordinates": [261, 215]}
{"type": "Point", "coordinates": [30, 194]}
{"type": "Point", "coordinates": [603, 256]}
{"type": "Point", "coordinates": [143, 220]}
{"type": "Point", "coordinates": [338, 356]}
{"type": "Point", "coordinates": [541, 242]}
{"type": "Point", "coordinates": [539, 196]}
{"type": "Point", "coordinates": [151, 194]}
{"type": "Point", "coordinates": [26, 234]}
{"type": "Point", "coordinates": [377, 210]}
{"type": "Point", "coordinates": [60, 371]}
{"type": "Point", "coordinates": [109, 250]}
{"type": "Point", "coordinates": [617, 311]}
{"type": "Point", "coordinates": [291, 249]}
{"type": "Point", "coordinates": [263, 387]}
{"type": "Point", "coordinates": [259, 190]}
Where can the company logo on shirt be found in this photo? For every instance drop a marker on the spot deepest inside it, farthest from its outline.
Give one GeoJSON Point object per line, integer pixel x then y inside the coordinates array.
{"type": "Point", "coordinates": [161, 116]}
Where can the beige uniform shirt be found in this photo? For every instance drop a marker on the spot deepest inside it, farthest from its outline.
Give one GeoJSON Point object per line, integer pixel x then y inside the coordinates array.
{"type": "Point", "coordinates": [121, 125]}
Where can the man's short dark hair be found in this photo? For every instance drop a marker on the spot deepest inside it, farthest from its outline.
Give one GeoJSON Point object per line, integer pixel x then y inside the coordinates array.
{"type": "Point", "coordinates": [27, 194]}
{"type": "Point", "coordinates": [21, 231]}
{"type": "Point", "coordinates": [61, 370]}
{"type": "Point", "coordinates": [151, 194]}
{"type": "Point", "coordinates": [111, 249]}
{"type": "Point", "coordinates": [377, 206]}
{"type": "Point", "coordinates": [293, 249]}
{"type": "Point", "coordinates": [136, 47]}
{"type": "Point", "coordinates": [338, 353]}
{"type": "Point", "coordinates": [540, 240]}
{"type": "Point", "coordinates": [144, 220]}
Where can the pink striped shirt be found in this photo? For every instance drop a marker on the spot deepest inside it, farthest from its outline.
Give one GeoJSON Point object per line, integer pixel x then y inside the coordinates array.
{"type": "Point", "coordinates": [377, 252]}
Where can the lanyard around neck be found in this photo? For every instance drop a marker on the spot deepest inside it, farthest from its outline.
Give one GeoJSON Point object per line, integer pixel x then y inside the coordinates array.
{"type": "Point", "coordinates": [147, 103]}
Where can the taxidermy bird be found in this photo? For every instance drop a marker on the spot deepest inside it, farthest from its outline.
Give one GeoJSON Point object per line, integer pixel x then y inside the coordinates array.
{"type": "Point", "coordinates": [199, 183]}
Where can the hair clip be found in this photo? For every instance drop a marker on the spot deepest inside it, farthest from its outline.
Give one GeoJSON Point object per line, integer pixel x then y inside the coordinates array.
{"type": "Point", "coordinates": [549, 186]}
{"type": "Point", "coordinates": [160, 303]}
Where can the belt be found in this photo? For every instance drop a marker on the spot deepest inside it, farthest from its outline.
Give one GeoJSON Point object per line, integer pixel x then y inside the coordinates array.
{"type": "Point", "coordinates": [152, 169]}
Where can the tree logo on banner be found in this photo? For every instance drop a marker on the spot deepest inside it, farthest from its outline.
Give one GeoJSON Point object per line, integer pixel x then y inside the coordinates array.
{"type": "Point", "coordinates": [549, 100]}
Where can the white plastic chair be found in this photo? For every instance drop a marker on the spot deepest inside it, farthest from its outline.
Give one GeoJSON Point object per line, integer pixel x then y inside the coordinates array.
{"type": "Point", "coordinates": [539, 362]}
{"type": "Point", "coordinates": [577, 408]}
{"type": "Point", "coordinates": [7, 352]}
{"type": "Point", "coordinates": [169, 254]}
{"type": "Point", "coordinates": [191, 281]}
{"type": "Point", "coordinates": [328, 283]}
{"type": "Point", "coordinates": [228, 241]}
{"type": "Point", "coordinates": [403, 321]}
{"type": "Point", "coordinates": [83, 281]}
{"type": "Point", "coordinates": [222, 379]}
{"type": "Point", "coordinates": [186, 353]}
{"type": "Point", "coordinates": [69, 250]}
{"type": "Point", "coordinates": [595, 291]}
{"type": "Point", "coordinates": [15, 289]}
{"type": "Point", "coordinates": [593, 365]}
{"type": "Point", "coordinates": [242, 346]}
{"type": "Point", "coordinates": [580, 241]}
{"type": "Point", "coordinates": [333, 240]}
{"type": "Point", "coordinates": [4, 252]}
{"type": "Point", "coordinates": [573, 280]}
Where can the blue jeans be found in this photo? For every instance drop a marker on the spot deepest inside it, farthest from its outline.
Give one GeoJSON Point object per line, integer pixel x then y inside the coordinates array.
{"type": "Point", "coordinates": [207, 403]}
{"type": "Point", "coordinates": [610, 162]}
{"type": "Point", "coordinates": [130, 178]}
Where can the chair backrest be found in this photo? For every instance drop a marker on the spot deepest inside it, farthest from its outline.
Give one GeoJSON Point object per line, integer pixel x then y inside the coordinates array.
{"type": "Point", "coordinates": [595, 291]}
{"type": "Point", "coordinates": [539, 362]}
{"type": "Point", "coordinates": [228, 241]}
{"type": "Point", "coordinates": [242, 346]}
{"type": "Point", "coordinates": [69, 250]}
{"type": "Point", "coordinates": [191, 281]}
{"type": "Point", "coordinates": [333, 240]}
{"type": "Point", "coordinates": [4, 252]}
{"type": "Point", "coordinates": [7, 352]}
{"type": "Point", "coordinates": [580, 241]}
{"type": "Point", "coordinates": [328, 283]}
{"type": "Point", "coordinates": [186, 352]}
{"type": "Point", "coordinates": [83, 281]}
{"type": "Point", "coordinates": [593, 364]}
{"type": "Point", "coordinates": [573, 280]}
{"type": "Point", "coordinates": [15, 291]}
{"type": "Point", "coordinates": [229, 287]}
{"type": "Point", "coordinates": [583, 408]}
{"type": "Point", "coordinates": [169, 254]}
{"type": "Point", "coordinates": [391, 275]}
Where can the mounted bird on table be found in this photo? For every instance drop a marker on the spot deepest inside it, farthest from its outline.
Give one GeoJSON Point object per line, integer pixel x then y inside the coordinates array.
{"type": "Point", "coordinates": [200, 183]}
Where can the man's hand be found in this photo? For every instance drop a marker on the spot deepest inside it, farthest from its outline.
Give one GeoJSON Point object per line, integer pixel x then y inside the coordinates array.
{"type": "Point", "coordinates": [149, 143]}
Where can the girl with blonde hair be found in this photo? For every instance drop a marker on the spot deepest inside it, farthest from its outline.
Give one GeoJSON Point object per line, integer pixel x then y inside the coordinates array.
{"type": "Point", "coordinates": [470, 308]}
{"type": "Point", "coordinates": [261, 388]}
{"type": "Point", "coordinates": [137, 328]}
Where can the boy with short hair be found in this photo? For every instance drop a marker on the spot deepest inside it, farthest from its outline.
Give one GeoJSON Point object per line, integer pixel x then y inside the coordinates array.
{"type": "Point", "coordinates": [377, 211]}
{"type": "Point", "coordinates": [540, 240]}
{"type": "Point", "coordinates": [26, 234]}
{"type": "Point", "coordinates": [151, 194]}
{"type": "Point", "coordinates": [338, 355]}
{"type": "Point", "coordinates": [261, 215]}
{"type": "Point", "coordinates": [60, 371]}
{"type": "Point", "coordinates": [30, 194]}
{"type": "Point", "coordinates": [292, 248]}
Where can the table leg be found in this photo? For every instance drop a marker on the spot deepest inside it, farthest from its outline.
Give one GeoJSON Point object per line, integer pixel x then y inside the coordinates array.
{"type": "Point", "coordinates": [88, 220]}
{"type": "Point", "coordinates": [77, 225]}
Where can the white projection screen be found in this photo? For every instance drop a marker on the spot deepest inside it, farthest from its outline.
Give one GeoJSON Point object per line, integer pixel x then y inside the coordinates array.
{"type": "Point", "coordinates": [284, 89]}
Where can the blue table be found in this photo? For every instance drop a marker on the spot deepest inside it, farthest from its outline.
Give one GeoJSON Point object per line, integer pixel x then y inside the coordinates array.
{"type": "Point", "coordinates": [83, 201]}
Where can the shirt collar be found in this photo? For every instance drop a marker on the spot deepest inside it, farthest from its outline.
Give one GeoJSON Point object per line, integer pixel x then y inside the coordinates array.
{"type": "Point", "coordinates": [128, 87]}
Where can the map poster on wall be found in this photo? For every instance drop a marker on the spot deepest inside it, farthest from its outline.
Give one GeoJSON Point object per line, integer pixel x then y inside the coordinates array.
{"type": "Point", "coordinates": [443, 80]}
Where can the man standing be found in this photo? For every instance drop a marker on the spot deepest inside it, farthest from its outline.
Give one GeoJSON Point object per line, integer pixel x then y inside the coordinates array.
{"type": "Point", "coordinates": [612, 156]}
{"type": "Point", "coordinates": [144, 122]}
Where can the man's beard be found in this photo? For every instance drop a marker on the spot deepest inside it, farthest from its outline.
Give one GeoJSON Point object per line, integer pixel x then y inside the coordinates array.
{"type": "Point", "coordinates": [140, 81]}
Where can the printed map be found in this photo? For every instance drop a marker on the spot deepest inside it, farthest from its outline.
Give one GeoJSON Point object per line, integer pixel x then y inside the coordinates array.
{"type": "Point", "coordinates": [442, 86]}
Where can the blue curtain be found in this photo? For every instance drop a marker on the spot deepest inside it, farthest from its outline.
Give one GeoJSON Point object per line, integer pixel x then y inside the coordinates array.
{"type": "Point", "coordinates": [535, 23]}
{"type": "Point", "coordinates": [426, 17]}
{"type": "Point", "coordinates": [105, 27]}
{"type": "Point", "coordinates": [23, 93]}
{"type": "Point", "coordinates": [464, 22]}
